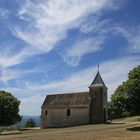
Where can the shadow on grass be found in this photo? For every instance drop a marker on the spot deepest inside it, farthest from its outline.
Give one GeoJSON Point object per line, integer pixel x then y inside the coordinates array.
{"type": "Point", "coordinates": [115, 123]}
{"type": "Point", "coordinates": [134, 129]}
{"type": "Point", "coordinates": [10, 133]}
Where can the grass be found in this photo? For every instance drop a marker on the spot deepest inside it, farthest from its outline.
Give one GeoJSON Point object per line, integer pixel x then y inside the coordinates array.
{"type": "Point", "coordinates": [130, 119]}
{"type": "Point", "coordinates": [5, 129]}
{"type": "Point", "coordinates": [117, 130]}
{"type": "Point", "coordinates": [2, 128]}
{"type": "Point", "coordinates": [87, 132]}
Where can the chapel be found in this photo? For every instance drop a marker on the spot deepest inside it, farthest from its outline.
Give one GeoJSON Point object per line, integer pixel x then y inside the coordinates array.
{"type": "Point", "coordinates": [70, 109]}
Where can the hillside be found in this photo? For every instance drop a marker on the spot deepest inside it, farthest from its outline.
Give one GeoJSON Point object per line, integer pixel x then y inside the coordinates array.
{"type": "Point", "coordinates": [117, 130]}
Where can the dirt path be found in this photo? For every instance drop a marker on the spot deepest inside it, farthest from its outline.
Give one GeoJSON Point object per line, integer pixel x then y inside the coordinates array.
{"type": "Point", "coordinates": [88, 132]}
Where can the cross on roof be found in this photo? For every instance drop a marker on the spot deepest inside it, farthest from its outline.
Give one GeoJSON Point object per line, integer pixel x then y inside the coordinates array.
{"type": "Point", "coordinates": [98, 67]}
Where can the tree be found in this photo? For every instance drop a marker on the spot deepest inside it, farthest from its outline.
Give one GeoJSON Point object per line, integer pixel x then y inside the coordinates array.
{"type": "Point", "coordinates": [119, 103]}
{"type": "Point", "coordinates": [133, 91]}
{"type": "Point", "coordinates": [30, 123]}
{"type": "Point", "coordinates": [9, 108]}
{"type": "Point", "coordinates": [126, 99]}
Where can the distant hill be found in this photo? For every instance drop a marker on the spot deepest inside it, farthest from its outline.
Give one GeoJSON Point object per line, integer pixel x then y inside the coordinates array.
{"type": "Point", "coordinates": [35, 118]}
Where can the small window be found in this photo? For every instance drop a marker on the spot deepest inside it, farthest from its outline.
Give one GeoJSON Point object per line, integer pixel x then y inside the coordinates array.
{"type": "Point", "coordinates": [46, 112]}
{"type": "Point", "coordinates": [68, 112]}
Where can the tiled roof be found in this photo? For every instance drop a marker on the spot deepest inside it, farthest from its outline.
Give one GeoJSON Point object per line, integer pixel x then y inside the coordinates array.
{"type": "Point", "coordinates": [98, 81]}
{"type": "Point", "coordinates": [67, 100]}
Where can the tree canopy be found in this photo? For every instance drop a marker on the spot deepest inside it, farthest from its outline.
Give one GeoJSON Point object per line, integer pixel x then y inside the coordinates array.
{"type": "Point", "coordinates": [30, 123]}
{"type": "Point", "coordinates": [126, 99]}
{"type": "Point", "coordinates": [9, 108]}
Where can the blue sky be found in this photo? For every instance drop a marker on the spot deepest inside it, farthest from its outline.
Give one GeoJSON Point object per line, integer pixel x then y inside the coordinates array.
{"type": "Point", "coordinates": [49, 47]}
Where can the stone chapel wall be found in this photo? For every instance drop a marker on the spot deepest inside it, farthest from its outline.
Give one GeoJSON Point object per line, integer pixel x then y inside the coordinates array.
{"type": "Point", "coordinates": [58, 117]}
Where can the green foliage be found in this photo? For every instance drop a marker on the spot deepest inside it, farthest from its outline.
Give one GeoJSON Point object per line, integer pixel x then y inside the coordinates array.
{"type": "Point", "coordinates": [9, 108]}
{"type": "Point", "coordinates": [133, 86]}
{"type": "Point", "coordinates": [2, 129]}
{"type": "Point", "coordinates": [126, 99]}
{"type": "Point", "coordinates": [30, 123]}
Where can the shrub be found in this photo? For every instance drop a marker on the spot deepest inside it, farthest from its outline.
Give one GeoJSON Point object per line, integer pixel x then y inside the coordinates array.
{"type": "Point", "coordinates": [30, 123]}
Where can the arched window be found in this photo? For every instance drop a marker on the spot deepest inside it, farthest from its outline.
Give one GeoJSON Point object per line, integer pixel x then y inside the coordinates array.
{"type": "Point", "coordinates": [68, 112]}
{"type": "Point", "coordinates": [46, 112]}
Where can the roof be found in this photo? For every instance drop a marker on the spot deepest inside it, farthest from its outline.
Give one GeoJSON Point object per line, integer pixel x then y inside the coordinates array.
{"type": "Point", "coordinates": [98, 81]}
{"type": "Point", "coordinates": [67, 100]}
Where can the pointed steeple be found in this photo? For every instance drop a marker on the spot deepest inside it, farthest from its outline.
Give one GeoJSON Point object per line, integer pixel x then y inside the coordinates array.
{"type": "Point", "coordinates": [98, 81]}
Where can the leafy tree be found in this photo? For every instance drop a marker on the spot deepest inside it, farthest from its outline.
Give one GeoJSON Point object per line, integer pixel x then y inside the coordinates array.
{"type": "Point", "coordinates": [9, 108]}
{"type": "Point", "coordinates": [126, 99]}
{"type": "Point", "coordinates": [30, 123]}
{"type": "Point", "coordinates": [133, 91]}
{"type": "Point", "coordinates": [119, 101]}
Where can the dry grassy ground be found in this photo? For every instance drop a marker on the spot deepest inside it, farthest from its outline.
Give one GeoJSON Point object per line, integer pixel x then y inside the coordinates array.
{"type": "Point", "coordinates": [116, 131]}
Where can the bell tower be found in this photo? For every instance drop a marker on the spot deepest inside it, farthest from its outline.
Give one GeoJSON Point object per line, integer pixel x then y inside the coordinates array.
{"type": "Point", "coordinates": [98, 104]}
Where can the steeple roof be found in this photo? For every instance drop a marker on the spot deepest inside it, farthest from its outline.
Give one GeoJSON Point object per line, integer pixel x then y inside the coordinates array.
{"type": "Point", "coordinates": [98, 81]}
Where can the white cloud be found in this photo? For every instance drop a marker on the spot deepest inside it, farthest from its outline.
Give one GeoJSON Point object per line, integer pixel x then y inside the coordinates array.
{"type": "Point", "coordinates": [7, 60]}
{"type": "Point", "coordinates": [7, 75]}
{"type": "Point", "coordinates": [112, 71]}
{"type": "Point", "coordinates": [11, 55]}
{"type": "Point", "coordinates": [95, 25]}
{"type": "Point", "coordinates": [59, 12]}
{"type": "Point", "coordinates": [132, 36]}
{"type": "Point", "coordinates": [4, 13]}
{"type": "Point", "coordinates": [48, 23]}
{"type": "Point", "coordinates": [49, 20]}
{"type": "Point", "coordinates": [12, 74]}
{"type": "Point", "coordinates": [73, 54]}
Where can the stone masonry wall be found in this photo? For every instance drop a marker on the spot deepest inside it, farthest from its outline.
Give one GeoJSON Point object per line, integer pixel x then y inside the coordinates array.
{"type": "Point", "coordinates": [59, 118]}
